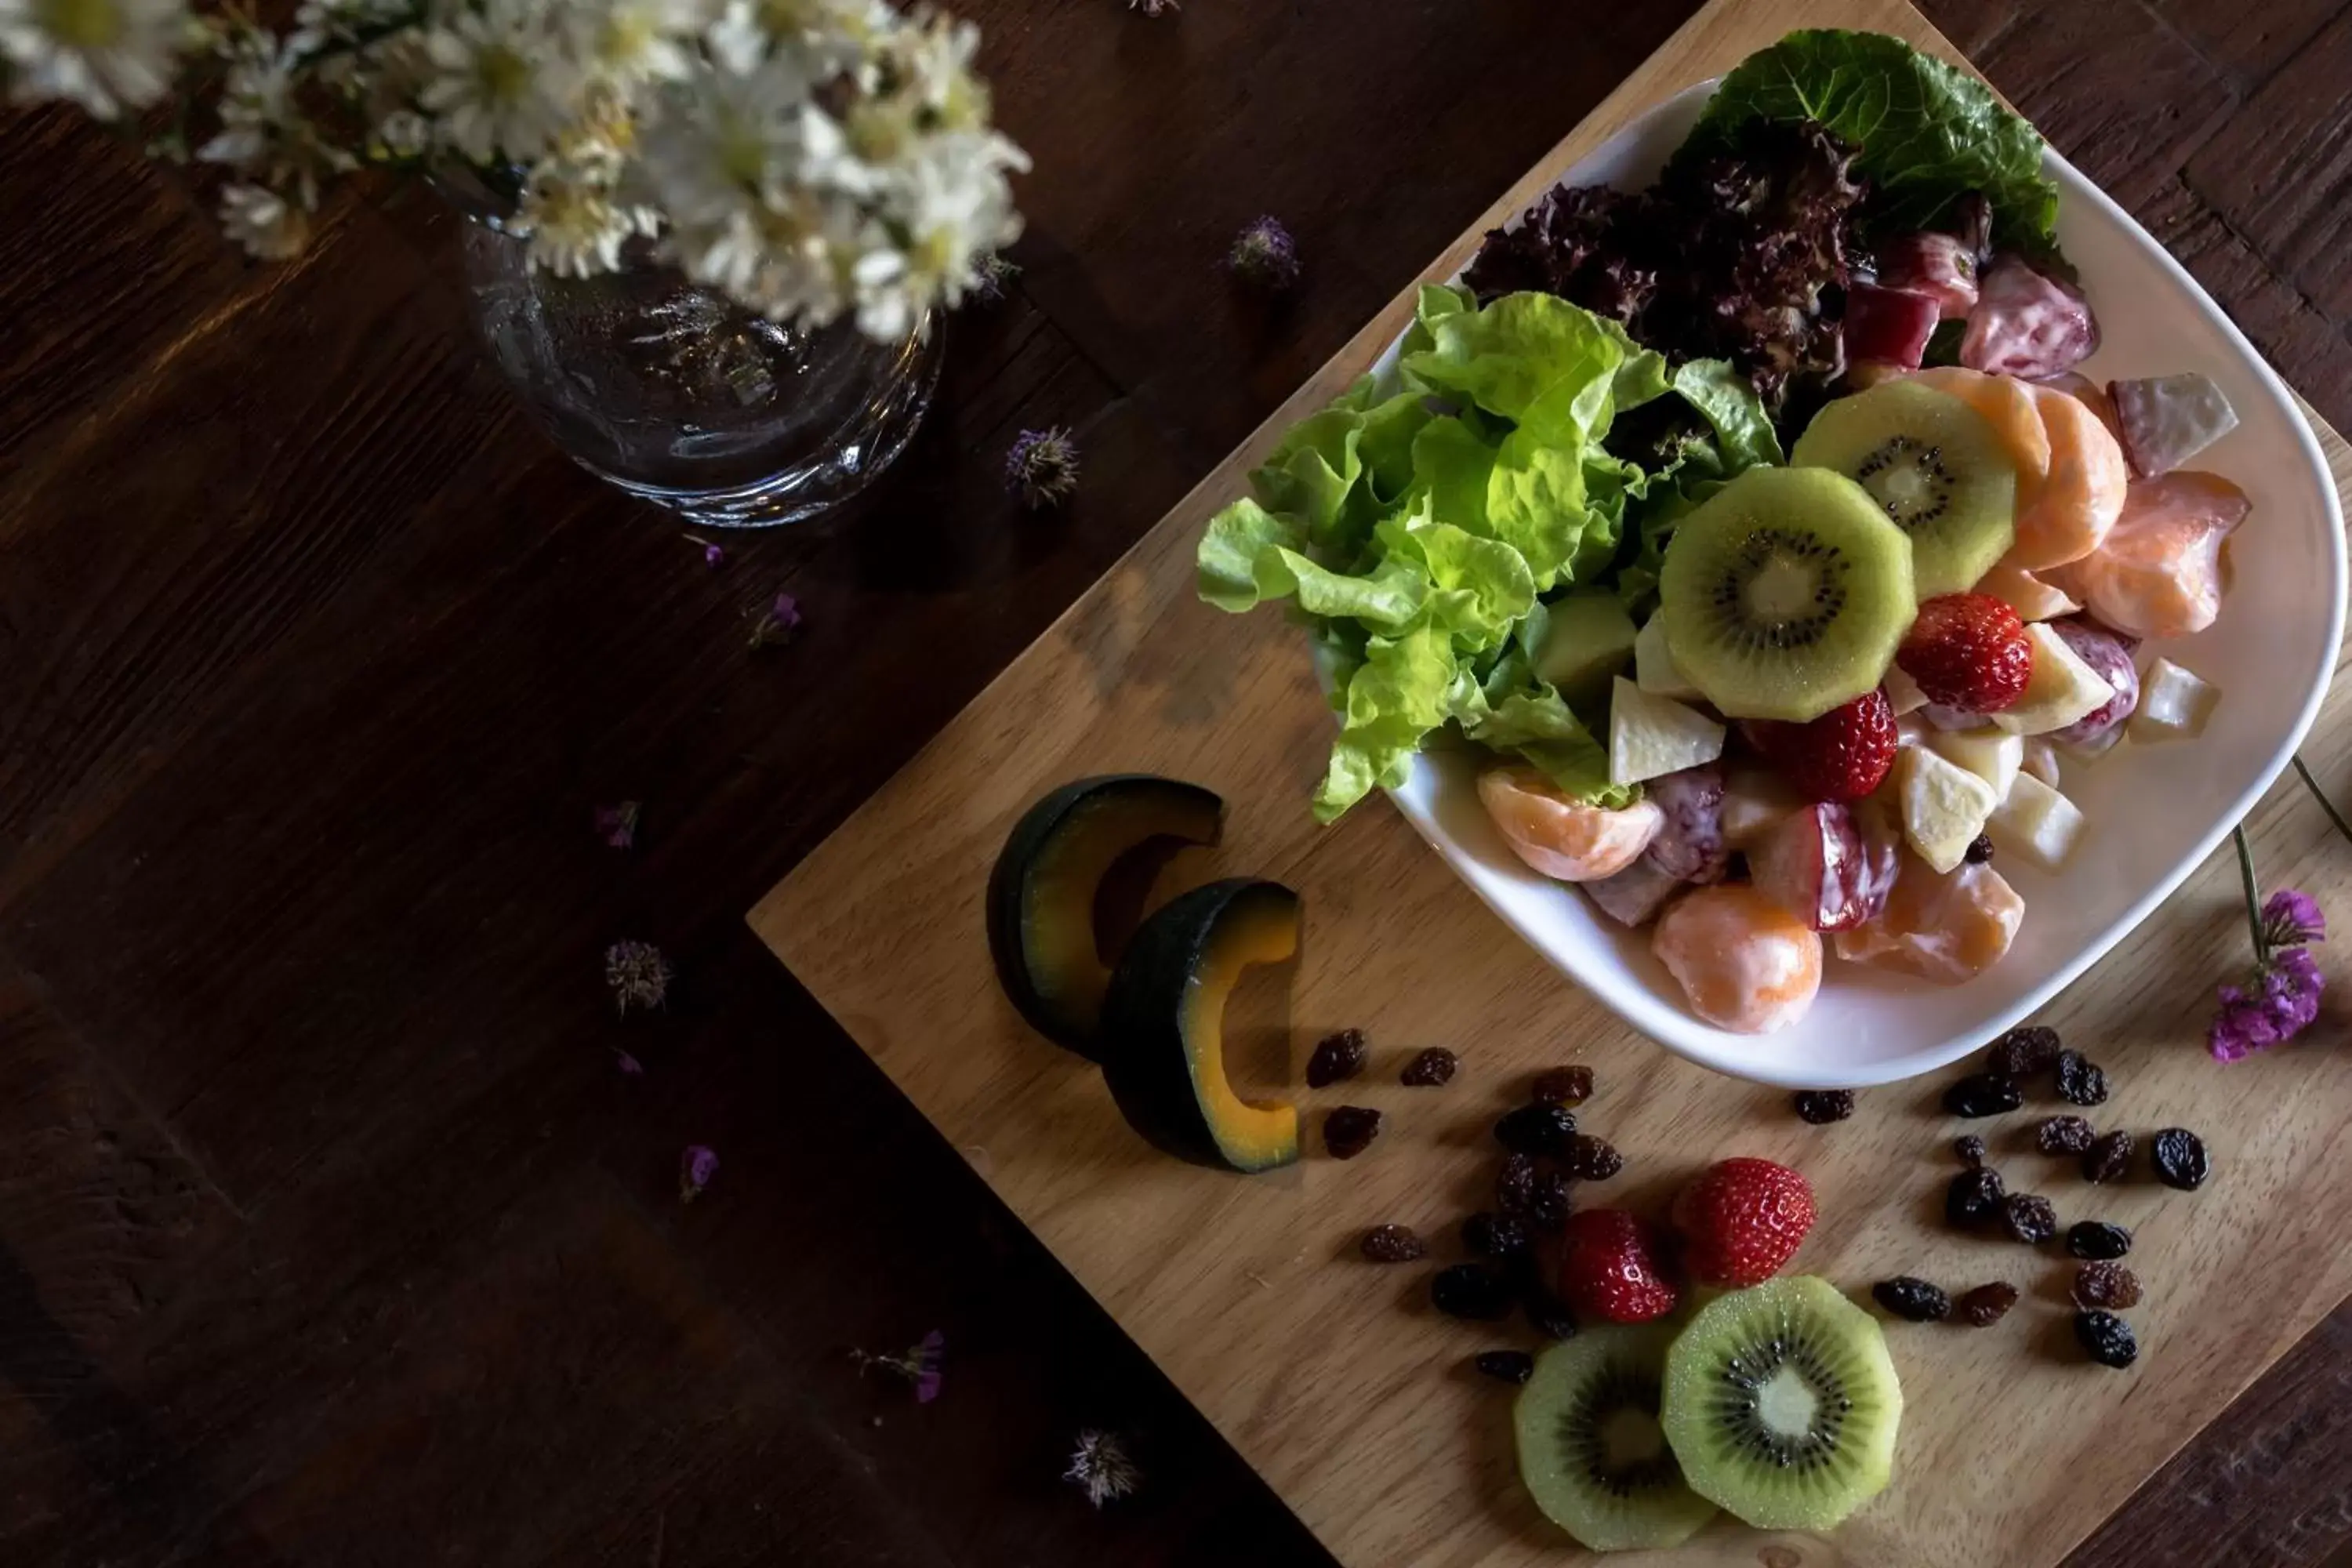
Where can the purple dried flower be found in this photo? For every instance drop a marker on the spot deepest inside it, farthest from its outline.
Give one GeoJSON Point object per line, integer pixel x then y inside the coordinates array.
{"type": "Point", "coordinates": [1101, 1468]}
{"type": "Point", "coordinates": [2293, 919]}
{"type": "Point", "coordinates": [637, 972]}
{"type": "Point", "coordinates": [783, 618]}
{"type": "Point", "coordinates": [2284, 996]}
{"type": "Point", "coordinates": [695, 1169]}
{"type": "Point", "coordinates": [712, 556]}
{"type": "Point", "coordinates": [1153, 8]}
{"type": "Point", "coordinates": [993, 279]}
{"type": "Point", "coordinates": [919, 1365]}
{"type": "Point", "coordinates": [617, 825]}
{"type": "Point", "coordinates": [630, 1067]}
{"type": "Point", "coordinates": [1042, 467]}
{"type": "Point", "coordinates": [1264, 254]}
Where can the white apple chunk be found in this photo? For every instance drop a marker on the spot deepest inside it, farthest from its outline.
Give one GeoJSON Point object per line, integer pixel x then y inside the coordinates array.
{"type": "Point", "coordinates": [1754, 800]}
{"type": "Point", "coordinates": [2061, 690]}
{"type": "Point", "coordinates": [1944, 806]}
{"type": "Point", "coordinates": [2173, 703]}
{"type": "Point", "coordinates": [2041, 760]}
{"type": "Point", "coordinates": [1649, 735]}
{"type": "Point", "coordinates": [1655, 669]}
{"type": "Point", "coordinates": [1993, 755]}
{"type": "Point", "coordinates": [2036, 823]}
{"type": "Point", "coordinates": [1903, 693]}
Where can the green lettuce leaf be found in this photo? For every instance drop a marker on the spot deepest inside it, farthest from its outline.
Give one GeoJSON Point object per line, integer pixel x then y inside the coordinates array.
{"type": "Point", "coordinates": [1548, 366]}
{"type": "Point", "coordinates": [1393, 700]}
{"type": "Point", "coordinates": [1929, 133]}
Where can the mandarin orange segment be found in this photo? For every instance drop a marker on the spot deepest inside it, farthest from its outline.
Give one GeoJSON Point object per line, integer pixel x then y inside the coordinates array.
{"type": "Point", "coordinates": [2158, 573]}
{"type": "Point", "coordinates": [1746, 963]}
{"type": "Point", "coordinates": [1562, 837]}
{"type": "Point", "coordinates": [2079, 501]}
{"type": "Point", "coordinates": [1941, 926]}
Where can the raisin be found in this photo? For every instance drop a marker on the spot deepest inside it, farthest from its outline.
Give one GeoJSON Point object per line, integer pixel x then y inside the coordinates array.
{"type": "Point", "coordinates": [1392, 1244]}
{"type": "Point", "coordinates": [1547, 1313]}
{"type": "Point", "coordinates": [2064, 1135]}
{"type": "Point", "coordinates": [1548, 1208]}
{"type": "Point", "coordinates": [1968, 1149]}
{"type": "Point", "coordinates": [2030, 1217]}
{"type": "Point", "coordinates": [1979, 850]}
{"type": "Point", "coordinates": [2080, 1080]}
{"type": "Point", "coordinates": [2024, 1051]}
{"type": "Point", "coordinates": [2107, 1338]}
{"type": "Point", "coordinates": [1822, 1106]}
{"type": "Point", "coordinates": [1506, 1366]}
{"type": "Point", "coordinates": [2097, 1239]}
{"type": "Point", "coordinates": [1562, 1086]}
{"type": "Point", "coordinates": [1348, 1131]}
{"type": "Point", "coordinates": [1986, 1305]}
{"type": "Point", "coordinates": [1429, 1069]}
{"type": "Point", "coordinates": [1336, 1056]}
{"type": "Point", "coordinates": [1470, 1290]}
{"type": "Point", "coordinates": [2180, 1159]}
{"type": "Point", "coordinates": [1913, 1299]}
{"type": "Point", "coordinates": [1983, 1094]}
{"type": "Point", "coordinates": [2104, 1284]}
{"type": "Point", "coordinates": [1590, 1159]}
{"type": "Point", "coordinates": [1537, 1130]}
{"type": "Point", "coordinates": [2108, 1159]}
{"type": "Point", "coordinates": [1974, 1198]}
{"type": "Point", "coordinates": [1494, 1235]}
{"type": "Point", "coordinates": [1515, 1188]}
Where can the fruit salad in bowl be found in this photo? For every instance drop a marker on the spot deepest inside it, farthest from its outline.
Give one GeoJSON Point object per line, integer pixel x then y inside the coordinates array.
{"type": "Point", "coordinates": [1820, 589]}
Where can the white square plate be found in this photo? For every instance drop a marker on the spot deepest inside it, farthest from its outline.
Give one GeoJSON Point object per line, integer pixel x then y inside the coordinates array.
{"type": "Point", "coordinates": [2271, 654]}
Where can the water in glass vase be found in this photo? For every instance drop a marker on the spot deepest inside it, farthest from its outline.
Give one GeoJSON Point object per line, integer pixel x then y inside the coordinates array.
{"type": "Point", "coordinates": [676, 394]}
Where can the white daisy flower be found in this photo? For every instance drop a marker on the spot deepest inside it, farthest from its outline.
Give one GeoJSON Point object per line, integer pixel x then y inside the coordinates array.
{"type": "Point", "coordinates": [270, 227]}
{"type": "Point", "coordinates": [257, 101]}
{"type": "Point", "coordinates": [574, 227]}
{"type": "Point", "coordinates": [108, 56]}
{"type": "Point", "coordinates": [631, 41]}
{"type": "Point", "coordinates": [498, 89]}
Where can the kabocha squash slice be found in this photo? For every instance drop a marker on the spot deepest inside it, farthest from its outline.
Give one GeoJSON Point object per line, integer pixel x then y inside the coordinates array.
{"type": "Point", "coordinates": [1163, 1034]}
{"type": "Point", "coordinates": [1042, 893]}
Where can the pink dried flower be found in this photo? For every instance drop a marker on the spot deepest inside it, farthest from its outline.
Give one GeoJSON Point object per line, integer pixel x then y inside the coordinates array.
{"type": "Point", "coordinates": [2291, 919]}
{"type": "Point", "coordinates": [1042, 467]}
{"type": "Point", "coordinates": [993, 279]}
{"type": "Point", "coordinates": [712, 553]}
{"type": "Point", "coordinates": [638, 973]}
{"type": "Point", "coordinates": [617, 825]}
{"type": "Point", "coordinates": [1264, 254]}
{"type": "Point", "coordinates": [920, 1365]}
{"type": "Point", "coordinates": [630, 1067]}
{"type": "Point", "coordinates": [2283, 996]}
{"type": "Point", "coordinates": [1153, 8]}
{"type": "Point", "coordinates": [783, 618]}
{"type": "Point", "coordinates": [695, 1169]}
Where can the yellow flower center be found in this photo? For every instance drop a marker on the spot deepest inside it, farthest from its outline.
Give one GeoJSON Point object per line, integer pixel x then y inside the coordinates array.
{"type": "Point", "coordinates": [80, 24]}
{"type": "Point", "coordinates": [503, 73]}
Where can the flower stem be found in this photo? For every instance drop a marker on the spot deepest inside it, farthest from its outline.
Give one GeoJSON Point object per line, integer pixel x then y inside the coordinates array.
{"type": "Point", "coordinates": [2325, 804]}
{"type": "Point", "coordinates": [2254, 897]}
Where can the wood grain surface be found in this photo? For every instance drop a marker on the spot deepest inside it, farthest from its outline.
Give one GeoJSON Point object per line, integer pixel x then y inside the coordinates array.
{"type": "Point", "coordinates": [1335, 1377]}
{"type": "Point", "coordinates": [328, 1232]}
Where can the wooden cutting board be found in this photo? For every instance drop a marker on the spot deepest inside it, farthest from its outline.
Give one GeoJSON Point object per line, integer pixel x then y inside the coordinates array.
{"type": "Point", "coordinates": [1333, 1376]}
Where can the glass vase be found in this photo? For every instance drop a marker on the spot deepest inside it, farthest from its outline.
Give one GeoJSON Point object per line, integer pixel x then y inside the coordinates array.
{"type": "Point", "coordinates": [675, 393]}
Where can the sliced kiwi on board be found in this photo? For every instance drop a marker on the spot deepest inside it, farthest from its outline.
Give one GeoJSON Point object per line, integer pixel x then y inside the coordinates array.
{"type": "Point", "coordinates": [1785, 594]}
{"type": "Point", "coordinates": [1592, 1451]}
{"type": "Point", "coordinates": [1936, 467]}
{"type": "Point", "coordinates": [1781, 1403]}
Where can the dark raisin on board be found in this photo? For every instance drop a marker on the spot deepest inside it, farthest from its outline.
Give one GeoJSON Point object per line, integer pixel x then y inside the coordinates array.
{"type": "Point", "coordinates": [1986, 1305]}
{"type": "Point", "coordinates": [1913, 1299]}
{"type": "Point", "coordinates": [1590, 1159]}
{"type": "Point", "coordinates": [2107, 1338]}
{"type": "Point", "coordinates": [2111, 1285]}
{"type": "Point", "coordinates": [1392, 1244]}
{"type": "Point", "coordinates": [1562, 1086]}
{"type": "Point", "coordinates": [1429, 1069]}
{"type": "Point", "coordinates": [1548, 1209]}
{"type": "Point", "coordinates": [2030, 1217]}
{"type": "Point", "coordinates": [1974, 1198]}
{"type": "Point", "coordinates": [2064, 1135]}
{"type": "Point", "coordinates": [1968, 1149]}
{"type": "Point", "coordinates": [1515, 1187]}
{"type": "Point", "coordinates": [1547, 1313]}
{"type": "Point", "coordinates": [1336, 1058]}
{"type": "Point", "coordinates": [1983, 1094]}
{"type": "Point", "coordinates": [1494, 1235]}
{"type": "Point", "coordinates": [1822, 1106]}
{"type": "Point", "coordinates": [1537, 1130]}
{"type": "Point", "coordinates": [1348, 1131]}
{"type": "Point", "coordinates": [1506, 1366]}
{"type": "Point", "coordinates": [2180, 1159]}
{"type": "Point", "coordinates": [2109, 1158]}
{"type": "Point", "coordinates": [2080, 1080]}
{"type": "Point", "coordinates": [1470, 1290]}
{"type": "Point", "coordinates": [2024, 1051]}
{"type": "Point", "coordinates": [2097, 1239]}
{"type": "Point", "coordinates": [1979, 850]}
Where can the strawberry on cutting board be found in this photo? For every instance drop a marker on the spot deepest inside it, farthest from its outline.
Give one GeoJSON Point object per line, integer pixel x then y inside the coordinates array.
{"type": "Point", "coordinates": [1742, 1220]}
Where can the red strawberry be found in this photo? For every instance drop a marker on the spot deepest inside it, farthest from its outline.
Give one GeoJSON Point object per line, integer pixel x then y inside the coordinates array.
{"type": "Point", "coordinates": [1842, 755]}
{"type": "Point", "coordinates": [1742, 1218]}
{"type": "Point", "coordinates": [1608, 1268]}
{"type": "Point", "coordinates": [1967, 651]}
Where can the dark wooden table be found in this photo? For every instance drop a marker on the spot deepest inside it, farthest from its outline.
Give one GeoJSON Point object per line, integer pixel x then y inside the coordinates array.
{"type": "Point", "coordinates": [329, 1231]}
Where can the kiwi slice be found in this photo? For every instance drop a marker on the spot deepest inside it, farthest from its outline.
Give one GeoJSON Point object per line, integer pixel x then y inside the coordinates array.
{"type": "Point", "coordinates": [1934, 465]}
{"type": "Point", "coordinates": [1785, 594]}
{"type": "Point", "coordinates": [1782, 1403]}
{"type": "Point", "coordinates": [1592, 1451]}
